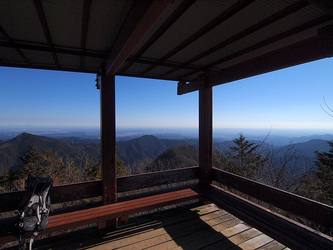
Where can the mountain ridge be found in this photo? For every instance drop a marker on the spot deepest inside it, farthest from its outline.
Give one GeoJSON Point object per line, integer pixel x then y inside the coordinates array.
{"type": "Point", "coordinates": [146, 148]}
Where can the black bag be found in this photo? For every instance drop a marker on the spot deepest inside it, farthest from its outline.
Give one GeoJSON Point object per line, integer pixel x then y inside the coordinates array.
{"type": "Point", "coordinates": [33, 215]}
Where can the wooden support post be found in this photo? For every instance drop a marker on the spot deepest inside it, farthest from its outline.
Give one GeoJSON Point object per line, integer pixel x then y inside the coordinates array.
{"type": "Point", "coordinates": [108, 139]}
{"type": "Point", "coordinates": [205, 131]}
{"type": "Point", "coordinates": [108, 144]}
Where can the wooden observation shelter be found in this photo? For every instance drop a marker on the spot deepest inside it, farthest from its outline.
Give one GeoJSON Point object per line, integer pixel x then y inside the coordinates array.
{"type": "Point", "coordinates": [197, 43]}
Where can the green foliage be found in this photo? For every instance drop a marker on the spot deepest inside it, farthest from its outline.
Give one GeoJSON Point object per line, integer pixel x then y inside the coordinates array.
{"type": "Point", "coordinates": [94, 172]}
{"type": "Point", "coordinates": [242, 159]}
{"type": "Point", "coordinates": [319, 186]}
{"type": "Point", "coordinates": [49, 163]}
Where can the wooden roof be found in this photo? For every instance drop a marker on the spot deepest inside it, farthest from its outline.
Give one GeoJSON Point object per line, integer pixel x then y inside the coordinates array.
{"type": "Point", "coordinates": [166, 39]}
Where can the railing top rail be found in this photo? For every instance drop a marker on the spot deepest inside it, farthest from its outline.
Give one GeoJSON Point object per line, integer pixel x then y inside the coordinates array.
{"type": "Point", "coordinates": [313, 210]}
{"type": "Point", "coordinates": [75, 191]}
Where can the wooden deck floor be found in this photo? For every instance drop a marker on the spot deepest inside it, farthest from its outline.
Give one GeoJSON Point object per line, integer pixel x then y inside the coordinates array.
{"type": "Point", "coordinates": [190, 227]}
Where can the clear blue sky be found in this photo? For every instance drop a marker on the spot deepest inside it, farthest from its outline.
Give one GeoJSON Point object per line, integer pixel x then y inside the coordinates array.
{"type": "Point", "coordinates": [288, 98]}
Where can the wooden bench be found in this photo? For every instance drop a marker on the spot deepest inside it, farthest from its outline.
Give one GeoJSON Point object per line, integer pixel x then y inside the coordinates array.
{"type": "Point", "coordinates": [104, 213]}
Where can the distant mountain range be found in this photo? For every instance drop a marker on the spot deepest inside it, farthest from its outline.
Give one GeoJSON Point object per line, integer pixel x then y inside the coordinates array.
{"type": "Point", "coordinates": [148, 149]}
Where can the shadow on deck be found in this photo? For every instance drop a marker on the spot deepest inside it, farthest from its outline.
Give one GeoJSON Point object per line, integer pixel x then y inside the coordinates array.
{"type": "Point", "coordinates": [189, 227]}
{"type": "Point", "coordinates": [186, 227]}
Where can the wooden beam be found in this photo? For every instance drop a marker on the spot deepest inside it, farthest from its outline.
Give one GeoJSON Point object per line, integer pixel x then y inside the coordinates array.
{"type": "Point", "coordinates": [234, 9]}
{"type": "Point", "coordinates": [12, 44]}
{"type": "Point", "coordinates": [248, 31]}
{"type": "Point", "coordinates": [325, 6]}
{"type": "Point", "coordinates": [315, 48]}
{"type": "Point", "coordinates": [84, 28]}
{"type": "Point", "coordinates": [205, 131]}
{"type": "Point", "coordinates": [164, 27]}
{"type": "Point", "coordinates": [317, 212]}
{"type": "Point", "coordinates": [140, 20]}
{"type": "Point", "coordinates": [280, 228]}
{"type": "Point", "coordinates": [43, 22]}
{"type": "Point", "coordinates": [108, 139]}
{"type": "Point", "coordinates": [135, 182]}
{"type": "Point", "coordinates": [46, 48]}
{"type": "Point", "coordinates": [318, 47]}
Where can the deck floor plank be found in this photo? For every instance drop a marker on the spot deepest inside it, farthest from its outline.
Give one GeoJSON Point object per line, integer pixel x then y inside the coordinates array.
{"type": "Point", "coordinates": [189, 227]}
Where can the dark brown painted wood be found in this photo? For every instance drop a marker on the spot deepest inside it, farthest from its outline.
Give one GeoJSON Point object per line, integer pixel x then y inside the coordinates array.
{"type": "Point", "coordinates": [84, 28]}
{"type": "Point", "coordinates": [325, 6]}
{"type": "Point", "coordinates": [106, 213]}
{"type": "Point", "coordinates": [141, 18]}
{"type": "Point", "coordinates": [43, 22]}
{"type": "Point", "coordinates": [135, 182]}
{"type": "Point", "coordinates": [45, 48]}
{"type": "Point", "coordinates": [280, 228]}
{"type": "Point", "coordinates": [205, 131]}
{"type": "Point", "coordinates": [269, 20]}
{"type": "Point", "coordinates": [295, 54]}
{"type": "Point", "coordinates": [208, 27]}
{"type": "Point", "coordinates": [163, 28]}
{"type": "Point", "coordinates": [317, 212]}
{"type": "Point", "coordinates": [12, 44]}
{"type": "Point", "coordinates": [274, 39]}
{"type": "Point", "coordinates": [108, 139]}
{"type": "Point", "coordinates": [76, 191]}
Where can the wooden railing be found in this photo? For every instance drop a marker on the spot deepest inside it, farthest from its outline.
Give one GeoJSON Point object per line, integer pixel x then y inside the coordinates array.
{"type": "Point", "coordinates": [71, 192]}
{"type": "Point", "coordinates": [317, 212]}
{"type": "Point", "coordinates": [281, 228]}
{"type": "Point", "coordinates": [287, 231]}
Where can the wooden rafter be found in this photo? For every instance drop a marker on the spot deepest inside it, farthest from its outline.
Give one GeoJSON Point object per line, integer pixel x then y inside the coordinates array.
{"type": "Point", "coordinates": [268, 41]}
{"type": "Point", "coordinates": [46, 48]}
{"type": "Point", "coordinates": [269, 20]}
{"type": "Point", "coordinates": [11, 42]}
{"type": "Point", "coordinates": [164, 27]}
{"type": "Point", "coordinates": [208, 27]}
{"type": "Point", "coordinates": [320, 47]}
{"type": "Point", "coordinates": [157, 63]}
{"type": "Point", "coordinates": [84, 29]}
{"type": "Point", "coordinates": [43, 22]}
{"type": "Point", "coordinates": [325, 6]}
{"type": "Point", "coordinates": [140, 19]}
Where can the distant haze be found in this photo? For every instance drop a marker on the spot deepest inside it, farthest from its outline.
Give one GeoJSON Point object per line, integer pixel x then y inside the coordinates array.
{"type": "Point", "coordinates": [274, 136]}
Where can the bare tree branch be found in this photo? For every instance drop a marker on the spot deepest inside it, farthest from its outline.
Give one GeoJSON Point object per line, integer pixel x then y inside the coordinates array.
{"type": "Point", "coordinates": [330, 109]}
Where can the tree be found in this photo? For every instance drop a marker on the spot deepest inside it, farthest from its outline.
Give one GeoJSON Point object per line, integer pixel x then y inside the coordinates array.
{"type": "Point", "coordinates": [327, 110]}
{"type": "Point", "coordinates": [47, 163]}
{"type": "Point", "coordinates": [8, 181]}
{"type": "Point", "coordinates": [285, 167]}
{"type": "Point", "coordinates": [242, 159]}
{"type": "Point", "coordinates": [94, 171]}
{"type": "Point", "coordinates": [319, 186]}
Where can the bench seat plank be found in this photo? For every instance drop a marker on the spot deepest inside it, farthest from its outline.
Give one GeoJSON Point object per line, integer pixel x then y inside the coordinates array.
{"type": "Point", "coordinates": [99, 214]}
{"type": "Point", "coordinates": [112, 211]}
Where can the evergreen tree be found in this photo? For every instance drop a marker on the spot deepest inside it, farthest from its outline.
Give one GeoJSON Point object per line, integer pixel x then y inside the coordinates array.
{"type": "Point", "coordinates": [324, 174]}
{"type": "Point", "coordinates": [242, 159]}
{"type": "Point", "coordinates": [94, 172]}
{"type": "Point", "coordinates": [319, 185]}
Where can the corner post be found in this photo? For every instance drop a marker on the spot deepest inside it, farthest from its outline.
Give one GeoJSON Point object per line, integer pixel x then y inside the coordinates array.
{"type": "Point", "coordinates": [205, 131]}
{"type": "Point", "coordinates": [108, 139]}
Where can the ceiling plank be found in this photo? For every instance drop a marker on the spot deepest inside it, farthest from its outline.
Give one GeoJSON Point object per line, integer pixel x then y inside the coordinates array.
{"type": "Point", "coordinates": [164, 27]}
{"type": "Point", "coordinates": [241, 4]}
{"type": "Point", "coordinates": [141, 18]}
{"type": "Point", "coordinates": [84, 29]}
{"type": "Point", "coordinates": [320, 47]}
{"type": "Point", "coordinates": [267, 21]}
{"type": "Point", "coordinates": [43, 22]}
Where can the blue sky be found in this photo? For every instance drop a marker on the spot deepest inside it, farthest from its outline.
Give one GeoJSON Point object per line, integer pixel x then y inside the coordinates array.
{"type": "Point", "coordinates": [284, 99]}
